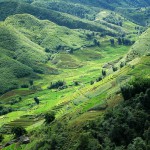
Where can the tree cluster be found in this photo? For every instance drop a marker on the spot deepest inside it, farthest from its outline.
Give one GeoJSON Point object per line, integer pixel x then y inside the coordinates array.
{"type": "Point", "coordinates": [126, 126]}
{"type": "Point", "coordinates": [57, 85]}
{"type": "Point", "coordinates": [5, 110]}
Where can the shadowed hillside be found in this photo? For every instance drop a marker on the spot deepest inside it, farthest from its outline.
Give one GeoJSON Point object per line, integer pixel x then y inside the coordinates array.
{"type": "Point", "coordinates": [56, 17]}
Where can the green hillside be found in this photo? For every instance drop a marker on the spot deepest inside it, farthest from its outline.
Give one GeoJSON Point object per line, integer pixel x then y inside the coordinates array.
{"type": "Point", "coordinates": [114, 3]}
{"type": "Point", "coordinates": [56, 17]}
{"type": "Point", "coordinates": [141, 47]}
{"type": "Point", "coordinates": [24, 41]}
{"type": "Point", "coordinates": [35, 43]}
{"type": "Point", "coordinates": [75, 75]}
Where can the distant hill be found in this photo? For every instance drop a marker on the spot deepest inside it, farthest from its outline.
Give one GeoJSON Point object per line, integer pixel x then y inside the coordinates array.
{"type": "Point", "coordinates": [136, 11]}
{"type": "Point", "coordinates": [54, 16]}
{"type": "Point", "coordinates": [112, 4]}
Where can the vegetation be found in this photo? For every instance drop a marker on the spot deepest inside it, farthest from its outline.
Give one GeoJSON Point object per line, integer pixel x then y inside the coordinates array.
{"type": "Point", "coordinates": [18, 131]}
{"type": "Point", "coordinates": [125, 123]}
{"type": "Point", "coordinates": [74, 75]}
{"type": "Point", "coordinates": [1, 138]}
{"type": "Point", "coordinates": [49, 117]}
{"type": "Point", "coordinates": [36, 99]}
{"type": "Point", "coordinates": [5, 110]}
{"type": "Point", "coordinates": [57, 85]}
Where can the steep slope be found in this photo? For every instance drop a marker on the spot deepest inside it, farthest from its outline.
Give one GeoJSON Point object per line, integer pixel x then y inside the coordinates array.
{"type": "Point", "coordinates": [141, 47]}
{"type": "Point", "coordinates": [23, 40]}
{"type": "Point", "coordinates": [113, 21]}
{"type": "Point", "coordinates": [140, 16]}
{"type": "Point", "coordinates": [19, 56]}
{"type": "Point", "coordinates": [79, 10]}
{"type": "Point", "coordinates": [46, 33]}
{"type": "Point", "coordinates": [30, 44]}
{"type": "Point", "coordinates": [133, 10]}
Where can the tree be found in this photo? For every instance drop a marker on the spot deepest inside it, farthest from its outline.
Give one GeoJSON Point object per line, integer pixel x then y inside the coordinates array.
{"type": "Point", "coordinates": [76, 83]}
{"type": "Point", "coordinates": [120, 23]}
{"type": "Point", "coordinates": [122, 64]}
{"type": "Point", "coordinates": [114, 68]}
{"type": "Point", "coordinates": [1, 138]}
{"type": "Point", "coordinates": [18, 131]}
{"type": "Point", "coordinates": [37, 100]}
{"type": "Point", "coordinates": [127, 91]}
{"type": "Point", "coordinates": [112, 41]}
{"type": "Point", "coordinates": [103, 72]}
{"type": "Point", "coordinates": [31, 82]}
{"type": "Point", "coordinates": [83, 142]}
{"type": "Point", "coordinates": [24, 86]}
{"type": "Point", "coordinates": [89, 36]}
{"type": "Point", "coordinates": [92, 82]}
{"type": "Point", "coordinates": [138, 144]}
{"type": "Point", "coordinates": [96, 43]}
{"type": "Point", "coordinates": [99, 79]}
{"type": "Point", "coordinates": [146, 99]}
{"type": "Point", "coordinates": [57, 85]}
{"type": "Point", "coordinates": [49, 117]}
{"type": "Point", "coordinates": [119, 41]}
{"type": "Point", "coordinates": [47, 50]}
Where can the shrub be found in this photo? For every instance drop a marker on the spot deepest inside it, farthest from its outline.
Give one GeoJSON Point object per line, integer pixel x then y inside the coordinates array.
{"type": "Point", "coordinates": [114, 68]}
{"type": "Point", "coordinates": [122, 64]}
{"type": "Point", "coordinates": [127, 91]}
{"type": "Point", "coordinates": [24, 86]}
{"type": "Point", "coordinates": [1, 138]}
{"type": "Point", "coordinates": [56, 85]}
{"type": "Point", "coordinates": [36, 99]}
{"type": "Point", "coordinates": [112, 41]}
{"type": "Point", "coordinates": [31, 82]}
{"type": "Point", "coordinates": [83, 142]}
{"type": "Point", "coordinates": [49, 117]}
{"type": "Point", "coordinates": [18, 131]}
{"type": "Point", "coordinates": [47, 50]}
{"type": "Point", "coordinates": [5, 110]}
{"type": "Point", "coordinates": [103, 72]}
{"type": "Point", "coordinates": [76, 83]}
{"type": "Point", "coordinates": [14, 101]}
{"type": "Point", "coordinates": [92, 82]}
{"type": "Point", "coordinates": [99, 79]}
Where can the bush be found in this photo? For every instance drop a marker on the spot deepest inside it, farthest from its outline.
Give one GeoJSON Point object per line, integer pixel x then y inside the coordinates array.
{"type": "Point", "coordinates": [103, 72]}
{"type": "Point", "coordinates": [18, 131]}
{"type": "Point", "coordinates": [114, 68]}
{"type": "Point", "coordinates": [49, 117]}
{"type": "Point", "coordinates": [31, 82]}
{"type": "Point", "coordinates": [36, 99]}
{"type": "Point", "coordinates": [47, 50]}
{"type": "Point", "coordinates": [5, 110]}
{"type": "Point", "coordinates": [76, 83]}
{"type": "Point", "coordinates": [83, 142]}
{"type": "Point", "coordinates": [122, 64]}
{"type": "Point", "coordinates": [15, 101]}
{"type": "Point", "coordinates": [1, 138]}
{"type": "Point", "coordinates": [99, 79]}
{"type": "Point", "coordinates": [112, 41]}
{"type": "Point", "coordinates": [57, 85]}
{"type": "Point", "coordinates": [24, 86]}
{"type": "Point", "coordinates": [92, 82]}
